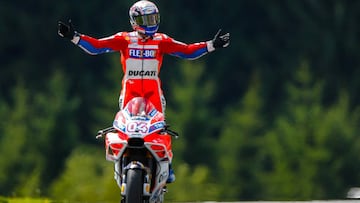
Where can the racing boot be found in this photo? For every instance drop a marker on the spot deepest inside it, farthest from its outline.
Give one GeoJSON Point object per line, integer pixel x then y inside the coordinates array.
{"type": "Point", "coordinates": [171, 177]}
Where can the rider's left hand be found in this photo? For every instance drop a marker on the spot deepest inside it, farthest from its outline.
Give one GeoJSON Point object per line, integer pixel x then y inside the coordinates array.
{"type": "Point", "coordinates": [221, 41]}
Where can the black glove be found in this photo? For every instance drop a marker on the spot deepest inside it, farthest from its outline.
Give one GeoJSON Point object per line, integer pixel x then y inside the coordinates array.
{"type": "Point", "coordinates": [66, 30]}
{"type": "Point", "coordinates": [221, 41]}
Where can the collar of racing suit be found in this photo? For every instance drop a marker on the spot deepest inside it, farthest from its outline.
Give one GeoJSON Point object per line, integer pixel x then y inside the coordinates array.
{"type": "Point", "coordinates": [144, 37]}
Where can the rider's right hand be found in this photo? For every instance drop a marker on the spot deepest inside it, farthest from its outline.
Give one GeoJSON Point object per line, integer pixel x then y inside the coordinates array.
{"type": "Point", "coordinates": [66, 30]}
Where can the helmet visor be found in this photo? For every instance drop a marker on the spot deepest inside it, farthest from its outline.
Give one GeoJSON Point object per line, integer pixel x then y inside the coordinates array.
{"type": "Point", "coordinates": [147, 20]}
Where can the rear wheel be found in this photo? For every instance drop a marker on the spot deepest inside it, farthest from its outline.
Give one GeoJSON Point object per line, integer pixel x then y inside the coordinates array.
{"type": "Point", "coordinates": [134, 186]}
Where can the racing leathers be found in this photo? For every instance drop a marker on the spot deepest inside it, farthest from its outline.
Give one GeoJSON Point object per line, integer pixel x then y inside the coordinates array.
{"type": "Point", "coordinates": [141, 60]}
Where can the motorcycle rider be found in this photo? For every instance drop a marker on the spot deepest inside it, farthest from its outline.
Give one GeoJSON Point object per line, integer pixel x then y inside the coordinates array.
{"type": "Point", "coordinates": [142, 52]}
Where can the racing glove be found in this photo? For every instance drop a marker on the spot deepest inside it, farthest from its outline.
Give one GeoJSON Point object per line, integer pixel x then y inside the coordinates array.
{"type": "Point", "coordinates": [66, 30]}
{"type": "Point", "coordinates": [221, 41]}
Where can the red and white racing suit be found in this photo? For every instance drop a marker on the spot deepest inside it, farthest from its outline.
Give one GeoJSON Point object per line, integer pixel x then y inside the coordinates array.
{"type": "Point", "coordinates": [141, 61]}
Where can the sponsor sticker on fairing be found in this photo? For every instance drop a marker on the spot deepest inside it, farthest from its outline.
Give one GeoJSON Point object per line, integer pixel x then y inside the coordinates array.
{"type": "Point", "coordinates": [156, 126]}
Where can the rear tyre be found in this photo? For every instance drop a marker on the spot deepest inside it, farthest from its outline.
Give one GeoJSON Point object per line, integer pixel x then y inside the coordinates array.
{"type": "Point", "coordinates": [134, 186]}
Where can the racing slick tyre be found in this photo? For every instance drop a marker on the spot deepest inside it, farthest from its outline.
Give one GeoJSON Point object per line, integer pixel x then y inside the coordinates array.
{"type": "Point", "coordinates": [134, 186]}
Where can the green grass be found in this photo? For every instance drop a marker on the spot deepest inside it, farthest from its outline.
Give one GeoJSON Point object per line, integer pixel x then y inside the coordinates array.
{"type": "Point", "coordinates": [37, 200]}
{"type": "Point", "coordinates": [24, 200]}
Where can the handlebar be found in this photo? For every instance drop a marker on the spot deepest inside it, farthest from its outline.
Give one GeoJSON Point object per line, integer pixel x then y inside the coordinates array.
{"type": "Point", "coordinates": [102, 132]}
{"type": "Point", "coordinates": [171, 132]}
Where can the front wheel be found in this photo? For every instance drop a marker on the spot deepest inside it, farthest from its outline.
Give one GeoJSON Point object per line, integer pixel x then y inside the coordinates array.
{"type": "Point", "coordinates": [134, 186]}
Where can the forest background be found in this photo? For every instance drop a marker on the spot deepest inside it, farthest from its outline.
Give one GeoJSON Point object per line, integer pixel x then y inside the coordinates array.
{"type": "Point", "coordinates": [275, 116]}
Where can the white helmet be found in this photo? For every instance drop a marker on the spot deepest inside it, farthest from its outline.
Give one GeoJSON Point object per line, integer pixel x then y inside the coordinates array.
{"type": "Point", "coordinates": [144, 17]}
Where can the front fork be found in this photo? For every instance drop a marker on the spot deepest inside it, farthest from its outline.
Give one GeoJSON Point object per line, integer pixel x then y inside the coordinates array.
{"type": "Point", "coordinates": [153, 187]}
{"type": "Point", "coordinates": [120, 176]}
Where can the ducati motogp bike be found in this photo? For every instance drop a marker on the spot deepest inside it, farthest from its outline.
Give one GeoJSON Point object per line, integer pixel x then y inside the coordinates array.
{"type": "Point", "coordinates": [139, 144]}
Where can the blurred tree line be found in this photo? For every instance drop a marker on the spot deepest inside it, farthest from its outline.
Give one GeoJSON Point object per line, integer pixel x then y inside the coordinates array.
{"type": "Point", "coordinates": [275, 116]}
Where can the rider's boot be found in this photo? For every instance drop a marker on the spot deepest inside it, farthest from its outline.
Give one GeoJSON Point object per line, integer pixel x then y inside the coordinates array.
{"type": "Point", "coordinates": [171, 177]}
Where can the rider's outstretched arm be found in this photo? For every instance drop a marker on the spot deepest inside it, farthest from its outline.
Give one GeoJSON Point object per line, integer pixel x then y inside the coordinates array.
{"type": "Point", "coordinates": [89, 44]}
{"type": "Point", "coordinates": [185, 51]}
{"type": "Point", "coordinates": [195, 50]}
{"type": "Point", "coordinates": [95, 46]}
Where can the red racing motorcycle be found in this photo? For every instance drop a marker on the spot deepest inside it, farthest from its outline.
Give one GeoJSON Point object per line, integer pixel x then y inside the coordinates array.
{"type": "Point", "coordinates": [139, 143]}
